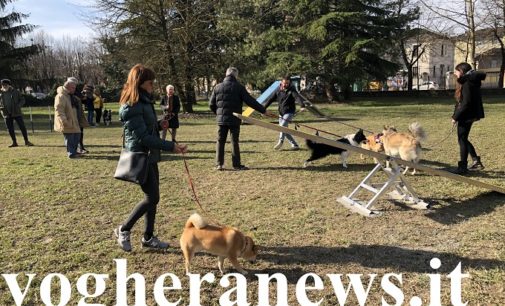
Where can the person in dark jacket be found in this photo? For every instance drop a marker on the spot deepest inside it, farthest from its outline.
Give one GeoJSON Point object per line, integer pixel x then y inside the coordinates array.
{"type": "Point", "coordinates": [226, 99]}
{"type": "Point", "coordinates": [11, 102]}
{"type": "Point", "coordinates": [468, 109]}
{"type": "Point", "coordinates": [286, 96]}
{"type": "Point", "coordinates": [141, 135]}
{"type": "Point", "coordinates": [170, 106]}
{"type": "Point", "coordinates": [88, 100]}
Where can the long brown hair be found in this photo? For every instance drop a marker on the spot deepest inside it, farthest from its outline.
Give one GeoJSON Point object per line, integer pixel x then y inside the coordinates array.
{"type": "Point", "coordinates": [457, 92]}
{"type": "Point", "coordinates": [136, 77]}
{"type": "Point", "coordinates": [463, 68]}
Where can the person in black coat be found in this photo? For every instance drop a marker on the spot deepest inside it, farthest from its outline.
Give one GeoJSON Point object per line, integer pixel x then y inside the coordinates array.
{"type": "Point", "coordinates": [170, 106]}
{"type": "Point", "coordinates": [286, 96]}
{"type": "Point", "coordinates": [226, 99]}
{"type": "Point", "coordinates": [468, 109]}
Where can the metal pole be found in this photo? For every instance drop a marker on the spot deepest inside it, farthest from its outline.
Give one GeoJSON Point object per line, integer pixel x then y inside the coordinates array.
{"type": "Point", "coordinates": [50, 120]}
{"type": "Point", "coordinates": [31, 119]}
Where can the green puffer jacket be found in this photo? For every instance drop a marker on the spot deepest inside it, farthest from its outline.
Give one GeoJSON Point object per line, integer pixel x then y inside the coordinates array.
{"type": "Point", "coordinates": [141, 128]}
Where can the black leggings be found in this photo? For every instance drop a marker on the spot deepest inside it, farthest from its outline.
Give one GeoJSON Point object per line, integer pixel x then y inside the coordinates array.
{"type": "Point", "coordinates": [9, 121]}
{"type": "Point", "coordinates": [147, 206]}
{"type": "Point", "coordinates": [465, 147]}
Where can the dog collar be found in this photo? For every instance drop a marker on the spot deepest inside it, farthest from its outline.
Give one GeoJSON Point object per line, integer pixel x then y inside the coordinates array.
{"type": "Point", "coordinates": [378, 138]}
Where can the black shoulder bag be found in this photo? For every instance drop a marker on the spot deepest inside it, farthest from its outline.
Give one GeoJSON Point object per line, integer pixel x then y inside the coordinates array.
{"type": "Point", "coordinates": [132, 166]}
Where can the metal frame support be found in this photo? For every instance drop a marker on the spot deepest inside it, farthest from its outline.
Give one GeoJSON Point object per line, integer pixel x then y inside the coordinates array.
{"type": "Point", "coordinates": [402, 191]}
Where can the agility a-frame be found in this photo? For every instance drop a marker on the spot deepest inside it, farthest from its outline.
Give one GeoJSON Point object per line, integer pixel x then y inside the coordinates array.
{"type": "Point", "coordinates": [396, 185]}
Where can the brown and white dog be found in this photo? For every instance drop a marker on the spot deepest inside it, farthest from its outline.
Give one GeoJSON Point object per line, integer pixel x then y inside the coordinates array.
{"type": "Point", "coordinates": [407, 146]}
{"type": "Point", "coordinates": [223, 241]}
{"type": "Point", "coordinates": [373, 143]}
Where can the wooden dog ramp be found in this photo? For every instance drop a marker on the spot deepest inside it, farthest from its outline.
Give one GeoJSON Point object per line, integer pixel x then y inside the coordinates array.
{"type": "Point", "coordinates": [396, 184]}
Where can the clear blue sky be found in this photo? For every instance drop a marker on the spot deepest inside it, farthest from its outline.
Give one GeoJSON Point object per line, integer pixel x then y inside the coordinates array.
{"type": "Point", "coordinates": [55, 17]}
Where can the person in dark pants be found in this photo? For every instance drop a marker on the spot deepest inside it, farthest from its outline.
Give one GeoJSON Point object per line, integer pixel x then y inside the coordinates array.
{"type": "Point", "coordinates": [88, 99]}
{"type": "Point", "coordinates": [226, 99]}
{"type": "Point", "coordinates": [97, 105]}
{"type": "Point", "coordinates": [468, 109]}
{"type": "Point", "coordinates": [141, 135]}
{"type": "Point", "coordinates": [11, 102]}
{"type": "Point", "coordinates": [170, 106]}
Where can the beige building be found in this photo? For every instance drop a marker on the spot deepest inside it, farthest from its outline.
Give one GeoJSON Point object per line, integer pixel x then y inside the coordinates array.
{"type": "Point", "coordinates": [436, 60]}
{"type": "Point", "coordinates": [487, 55]}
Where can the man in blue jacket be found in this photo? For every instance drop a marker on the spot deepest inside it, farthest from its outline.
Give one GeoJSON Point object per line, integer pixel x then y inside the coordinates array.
{"type": "Point", "coordinates": [228, 98]}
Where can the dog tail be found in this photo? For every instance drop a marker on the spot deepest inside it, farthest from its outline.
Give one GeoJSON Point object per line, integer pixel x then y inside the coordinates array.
{"type": "Point", "coordinates": [195, 220]}
{"type": "Point", "coordinates": [417, 131]}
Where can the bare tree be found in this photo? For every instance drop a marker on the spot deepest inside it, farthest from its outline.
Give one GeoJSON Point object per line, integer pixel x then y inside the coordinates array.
{"type": "Point", "coordinates": [459, 14]}
{"type": "Point", "coordinates": [61, 58]}
{"type": "Point", "coordinates": [495, 10]}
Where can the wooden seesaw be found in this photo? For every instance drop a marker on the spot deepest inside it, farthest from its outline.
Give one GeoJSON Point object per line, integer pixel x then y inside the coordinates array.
{"type": "Point", "coordinates": [396, 185]}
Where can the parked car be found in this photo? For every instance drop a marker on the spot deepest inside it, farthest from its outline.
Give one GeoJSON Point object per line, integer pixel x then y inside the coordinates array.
{"type": "Point", "coordinates": [39, 95]}
{"type": "Point", "coordinates": [427, 85]}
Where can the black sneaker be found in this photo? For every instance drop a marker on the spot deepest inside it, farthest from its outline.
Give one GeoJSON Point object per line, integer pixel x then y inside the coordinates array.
{"type": "Point", "coordinates": [13, 145]}
{"type": "Point", "coordinates": [28, 144]}
{"type": "Point", "coordinates": [241, 168]}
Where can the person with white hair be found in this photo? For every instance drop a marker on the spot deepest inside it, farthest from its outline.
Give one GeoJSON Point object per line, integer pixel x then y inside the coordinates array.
{"type": "Point", "coordinates": [11, 102]}
{"type": "Point", "coordinates": [170, 106]}
{"type": "Point", "coordinates": [68, 116]}
{"type": "Point", "coordinates": [226, 99]}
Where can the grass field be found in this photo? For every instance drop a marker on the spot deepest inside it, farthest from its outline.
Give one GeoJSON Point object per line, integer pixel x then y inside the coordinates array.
{"type": "Point", "coordinates": [57, 215]}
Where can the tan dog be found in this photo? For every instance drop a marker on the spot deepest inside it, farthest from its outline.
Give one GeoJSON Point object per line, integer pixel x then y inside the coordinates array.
{"type": "Point", "coordinates": [405, 145]}
{"type": "Point", "coordinates": [373, 143]}
{"type": "Point", "coordinates": [223, 241]}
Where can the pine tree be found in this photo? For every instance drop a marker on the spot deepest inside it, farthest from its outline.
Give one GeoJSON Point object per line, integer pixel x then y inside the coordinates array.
{"type": "Point", "coordinates": [12, 56]}
{"type": "Point", "coordinates": [339, 41]}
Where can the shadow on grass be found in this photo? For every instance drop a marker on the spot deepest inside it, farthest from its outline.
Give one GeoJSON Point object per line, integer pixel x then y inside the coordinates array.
{"type": "Point", "coordinates": [392, 258]}
{"type": "Point", "coordinates": [322, 168]}
{"type": "Point", "coordinates": [459, 211]}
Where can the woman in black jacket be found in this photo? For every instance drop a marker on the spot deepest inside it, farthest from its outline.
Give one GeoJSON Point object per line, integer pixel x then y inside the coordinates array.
{"type": "Point", "coordinates": [468, 109]}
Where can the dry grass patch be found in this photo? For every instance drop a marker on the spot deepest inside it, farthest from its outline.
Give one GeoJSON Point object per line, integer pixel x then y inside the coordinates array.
{"type": "Point", "coordinates": [57, 215]}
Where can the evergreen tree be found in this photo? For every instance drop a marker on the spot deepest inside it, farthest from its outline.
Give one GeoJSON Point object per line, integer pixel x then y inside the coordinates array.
{"type": "Point", "coordinates": [340, 41]}
{"type": "Point", "coordinates": [12, 56]}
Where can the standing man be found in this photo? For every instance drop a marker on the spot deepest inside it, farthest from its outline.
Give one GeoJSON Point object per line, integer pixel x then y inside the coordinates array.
{"type": "Point", "coordinates": [286, 95]}
{"type": "Point", "coordinates": [68, 116]}
{"type": "Point", "coordinates": [227, 99]}
{"type": "Point", "coordinates": [11, 102]}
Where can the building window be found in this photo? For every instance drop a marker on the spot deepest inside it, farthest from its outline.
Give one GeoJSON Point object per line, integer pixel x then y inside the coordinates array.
{"type": "Point", "coordinates": [415, 51]}
{"type": "Point", "coordinates": [442, 50]}
{"type": "Point", "coordinates": [494, 63]}
{"type": "Point", "coordinates": [434, 71]}
{"type": "Point", "coordinates": [442, 67]}
{"type": "Point", "coordinates": [415, 71]}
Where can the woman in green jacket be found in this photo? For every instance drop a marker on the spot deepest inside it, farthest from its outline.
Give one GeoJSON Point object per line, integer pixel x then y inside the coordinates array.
{"type": "Point", "coordinates": [141, 135]}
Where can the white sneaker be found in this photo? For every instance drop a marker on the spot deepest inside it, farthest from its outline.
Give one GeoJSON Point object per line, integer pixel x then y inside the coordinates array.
{"type": "Point", "coordinates": [123, 239]}
{"type": "Point", "coordinates": [278, 145]}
